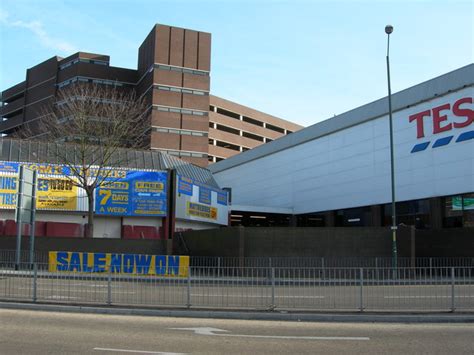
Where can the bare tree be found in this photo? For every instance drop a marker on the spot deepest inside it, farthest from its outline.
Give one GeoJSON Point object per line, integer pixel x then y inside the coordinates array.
{"type": "Point", "coordinates": [93, 121]}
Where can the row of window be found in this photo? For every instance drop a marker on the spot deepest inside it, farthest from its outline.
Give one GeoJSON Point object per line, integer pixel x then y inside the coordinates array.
{"type": "Point", "coordinates": [181, 90]}
{"type": "Point", "coordinates": [237, 132]}
{"type": "Point", "coordinates": [457, 211]}
{"type": "Point", "coordinates": [184, 132]}
{"type": "Point", "coordinates": [227, 145]}
{"type": "Point", "coordinates": [83, 79]}
{"type": "Point", "coordinates": [82, 60]}
{"type": "Point", "coordinates": [183, 111]}
{"type": "Point", "coordinates": [180, 153]}
{"type": "Point", "coordinates": [248, 119]}
{"type": "Point", "coordinates": [83, 98]}
{"type": "Point", "coordinates": [181, 69]}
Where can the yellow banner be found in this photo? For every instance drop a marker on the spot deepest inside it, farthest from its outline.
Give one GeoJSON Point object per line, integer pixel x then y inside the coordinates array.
{"type": "Point", "coordinates": [130, 264]}
{"type": "Point", "coordinates": [200, 210]}
{"type": "Point", "coordinates": [56, 193]}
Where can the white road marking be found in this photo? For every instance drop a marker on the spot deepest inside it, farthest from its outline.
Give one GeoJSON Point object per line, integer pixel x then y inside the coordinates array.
{"type": "Point", "coordinates": [251, 296]}
{"type": "Point", "coordinates": [212, 331]}
{"type": "Point", "coordinates": [137, 351]}
{"type": "Point", "coordinates": [59, 297]}
{"type": "Point", "coordinates": [421, 297]}
{"type": "Point", "coordinates": [65, 289]}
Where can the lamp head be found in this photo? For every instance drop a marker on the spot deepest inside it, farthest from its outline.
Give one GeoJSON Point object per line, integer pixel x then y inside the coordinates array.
{"type": "Point", "coordinates": [388, 29]}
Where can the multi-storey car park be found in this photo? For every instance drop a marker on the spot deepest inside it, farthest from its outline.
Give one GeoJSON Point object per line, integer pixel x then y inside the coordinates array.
{"type": "Point", "coordinates": [173, 73]}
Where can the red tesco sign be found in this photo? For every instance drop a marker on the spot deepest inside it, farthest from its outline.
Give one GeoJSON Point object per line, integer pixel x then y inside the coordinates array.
{"type": "Point", "coordinates": [440, 119]}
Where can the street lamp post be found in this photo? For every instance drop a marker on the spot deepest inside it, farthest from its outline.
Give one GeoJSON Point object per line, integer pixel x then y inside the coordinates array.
{"type": "Point", "coordinates": [388, 31]}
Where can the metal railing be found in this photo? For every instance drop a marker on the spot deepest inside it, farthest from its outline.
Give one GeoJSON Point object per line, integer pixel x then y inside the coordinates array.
{"type": "Point", "coordinates": [290, 262]}
{"type": "Point", "coordinates": [269, 288]}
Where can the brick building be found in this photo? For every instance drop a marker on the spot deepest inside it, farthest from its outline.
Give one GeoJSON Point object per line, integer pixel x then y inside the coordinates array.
{"type": "Point", "coordinates": [173, 73]}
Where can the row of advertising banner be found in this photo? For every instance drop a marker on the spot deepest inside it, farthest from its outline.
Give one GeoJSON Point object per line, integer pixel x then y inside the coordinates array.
{"type": "Point", "coordinates": [122, 193]}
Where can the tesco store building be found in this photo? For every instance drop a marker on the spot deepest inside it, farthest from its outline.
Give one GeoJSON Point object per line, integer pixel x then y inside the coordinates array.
{"type": "Point", "coordinates": [337, 172]}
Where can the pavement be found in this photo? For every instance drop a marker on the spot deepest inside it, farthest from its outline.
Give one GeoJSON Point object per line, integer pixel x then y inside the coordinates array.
{"type": "Point", "coordinates": [39, 332]}
{"type": "Point", "coordinates": [359, 317]}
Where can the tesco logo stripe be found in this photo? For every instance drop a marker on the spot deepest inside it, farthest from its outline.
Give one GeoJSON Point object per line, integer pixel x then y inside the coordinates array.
{"type": "Point", "coordinates": [443, 141]}
{"type": "Point", "coordinates": [420, 147]}
{"type": "Point", "coordinates": [465, 136]}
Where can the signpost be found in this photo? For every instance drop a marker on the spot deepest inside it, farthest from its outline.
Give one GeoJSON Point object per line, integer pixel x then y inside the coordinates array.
{"type": "Point", "coordinates": [25, 210]}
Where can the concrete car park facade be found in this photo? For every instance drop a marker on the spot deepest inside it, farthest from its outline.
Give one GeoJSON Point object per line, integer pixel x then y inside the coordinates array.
{"type": "Point", "coordinates": [173, 74]}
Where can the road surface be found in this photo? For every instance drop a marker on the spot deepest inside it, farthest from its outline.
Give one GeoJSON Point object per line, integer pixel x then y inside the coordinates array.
{"type": "Point", "coordinates": [37, 332]}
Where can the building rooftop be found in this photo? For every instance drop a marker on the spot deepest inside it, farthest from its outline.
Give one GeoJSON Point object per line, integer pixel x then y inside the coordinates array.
{"type": "Point", "coordinates": [30, 151]}
{"type": "Point", "coordinates": [449, 82]}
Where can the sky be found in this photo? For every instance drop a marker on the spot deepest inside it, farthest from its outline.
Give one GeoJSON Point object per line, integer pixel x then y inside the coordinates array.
{"type": "Point", "coordinates": [301, 60]}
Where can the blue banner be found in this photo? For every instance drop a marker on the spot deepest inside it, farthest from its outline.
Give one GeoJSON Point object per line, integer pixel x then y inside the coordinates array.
{"type": "Point", "coordinates": [139, 193]}
{"type": "Point", "coordinates": [222, 198]}
{"type": "Point", "coordinates": [185, 185]}
{"type": "Point", "coordinates": [204, 195]}
{"type": "Point", "coordinates": [8, 167]}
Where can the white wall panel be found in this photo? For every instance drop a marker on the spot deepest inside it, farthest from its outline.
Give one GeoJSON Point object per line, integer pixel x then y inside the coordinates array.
{"type": "Point", "coordinates": [351, 167]}
{"type": "Point", "coordinates": [107, 227]}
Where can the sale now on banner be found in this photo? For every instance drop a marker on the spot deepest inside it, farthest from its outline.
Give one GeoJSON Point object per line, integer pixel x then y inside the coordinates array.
{"type": "Point", "coordinates": [131, 264]}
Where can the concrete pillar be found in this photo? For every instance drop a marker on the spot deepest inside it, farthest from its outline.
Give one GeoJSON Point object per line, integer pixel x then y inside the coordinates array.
{"type": "Point", "coordinates": [436, 212]}
{"type": "Point", "coordinates": [293, 221]}
{"type": "Point", "coordinates": [329, 219]}
{"type": "Point", "coordinates": [376, 215]}
{"type": "Point", "coordinates": [241, 232]}
{"type": "Point", "coordinates": [412, 246]}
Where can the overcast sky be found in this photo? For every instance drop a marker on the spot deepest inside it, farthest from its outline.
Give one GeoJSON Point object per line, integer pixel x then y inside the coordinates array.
{"type": "Point", "coordinates": [304, 61]}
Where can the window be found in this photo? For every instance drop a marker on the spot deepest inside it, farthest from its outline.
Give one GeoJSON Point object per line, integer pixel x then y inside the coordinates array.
{"type": "Point", "coordinates": [82, 60]}
{"type": "Point", "coordinates": [180, 153]}
{"type": "Point", "coordinates": [354, 217]}
{"type": "Point", "coordinates": [275, 128]}
{"type": "Point", "coordinates": [185, 132]}
{"type": "Point", "coordinates": [253, 136]}
{"type": "Point", "coordinates": [228, 113]}
{"type": "Point", "coordinates": [182, 90]}
{"type": "Point", "coordinates": [459, 211]}
{"type": "Point", "coordinates": [311, 220]}
{"type": "Point", "coordinates": [227, 145]}
{"type": "Point", "coordinates": [183, 111]}
{"type": "Point", "coordinates": [181, 69]}
{"type": "Point", "coordinates": [83, 79]}
{"type": "Point", "coordinates": [227, 129]}
{"type": "Point", "coordinates": [411, 213]}
{"type": "Point", "coordinates": [252, 121]}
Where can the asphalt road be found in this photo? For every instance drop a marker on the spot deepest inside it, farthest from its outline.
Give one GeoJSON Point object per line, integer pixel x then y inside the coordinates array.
{"type": "Point", "coordinates": [339, 295]}
{"type": "Point", "coordinates": [37, 332]}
